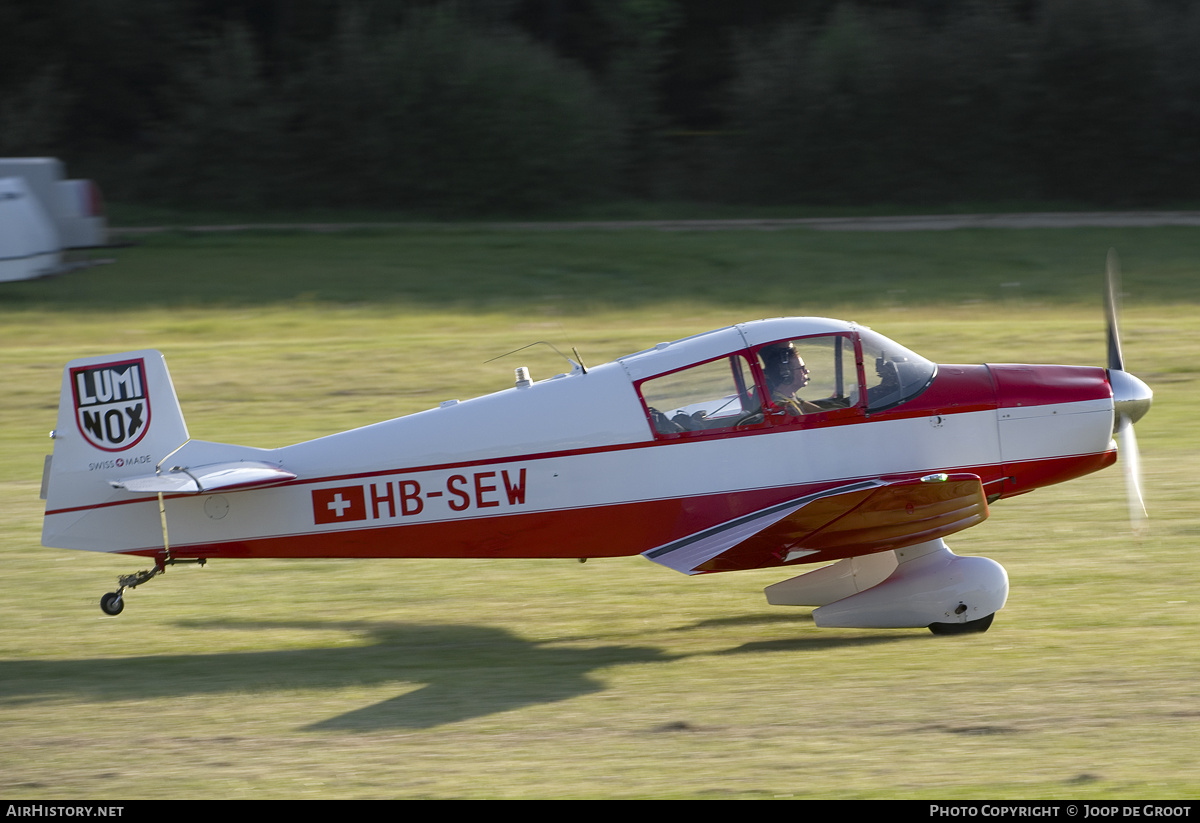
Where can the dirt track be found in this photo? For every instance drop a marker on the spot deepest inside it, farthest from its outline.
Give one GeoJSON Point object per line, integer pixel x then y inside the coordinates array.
{"type": "Point", "coordinates": [936, 222]}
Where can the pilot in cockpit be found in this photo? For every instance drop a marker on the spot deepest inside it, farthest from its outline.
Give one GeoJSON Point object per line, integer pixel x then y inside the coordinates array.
{"type": "Point", "coordinates": [786, 374]}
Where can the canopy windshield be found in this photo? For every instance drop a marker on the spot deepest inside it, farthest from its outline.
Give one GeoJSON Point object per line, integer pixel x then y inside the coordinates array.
{"type": "Point", "coordinates": [893, 373]}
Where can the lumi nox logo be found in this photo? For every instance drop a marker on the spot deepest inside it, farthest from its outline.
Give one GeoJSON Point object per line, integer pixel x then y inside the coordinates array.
{"type": "Point", "coordinates": [112, 405]}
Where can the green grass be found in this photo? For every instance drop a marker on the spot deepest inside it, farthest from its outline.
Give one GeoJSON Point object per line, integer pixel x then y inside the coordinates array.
{"type": "Point", "coordinates": [614, 678]}
{"type": "Point", "coordinates": [581, 272]}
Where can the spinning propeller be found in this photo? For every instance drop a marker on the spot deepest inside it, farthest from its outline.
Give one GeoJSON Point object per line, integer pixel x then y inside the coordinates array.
{"type": "Point", "coordinates": [1131, 400]}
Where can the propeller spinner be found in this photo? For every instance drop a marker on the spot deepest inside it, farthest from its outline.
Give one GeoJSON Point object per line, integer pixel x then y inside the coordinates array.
{"type": "Point", "coordinates": [1131, 400]}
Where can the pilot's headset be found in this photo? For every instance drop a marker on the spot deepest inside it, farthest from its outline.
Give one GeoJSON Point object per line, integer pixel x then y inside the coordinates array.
{"type": "Point", "coordinates": [777, 363]}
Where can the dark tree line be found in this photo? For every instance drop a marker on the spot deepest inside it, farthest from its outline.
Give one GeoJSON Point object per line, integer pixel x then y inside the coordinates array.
{"type": "Point", "coordinates": [508, 106]}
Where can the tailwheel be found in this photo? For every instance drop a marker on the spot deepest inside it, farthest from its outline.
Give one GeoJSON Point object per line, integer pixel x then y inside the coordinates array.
{"type": "Point", "coordinates": [112, 603]}
{"type": "Point", "coordinates": [970, 627]}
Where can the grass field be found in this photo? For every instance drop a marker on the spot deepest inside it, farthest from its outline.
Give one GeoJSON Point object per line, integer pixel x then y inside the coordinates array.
{"type": "Point", "coordinates": [617, 678]}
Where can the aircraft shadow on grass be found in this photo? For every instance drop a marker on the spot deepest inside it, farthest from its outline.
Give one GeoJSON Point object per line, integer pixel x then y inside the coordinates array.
{"type": "Point", "coordinates": [464, 671]}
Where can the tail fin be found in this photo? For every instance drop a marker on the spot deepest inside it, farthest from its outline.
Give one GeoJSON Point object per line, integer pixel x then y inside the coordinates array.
{"type": "Point", "coordinates": [118, 416]}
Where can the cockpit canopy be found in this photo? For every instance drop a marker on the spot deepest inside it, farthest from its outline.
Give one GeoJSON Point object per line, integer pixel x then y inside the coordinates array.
{"type": "Point", "coordinates": [793, 381]}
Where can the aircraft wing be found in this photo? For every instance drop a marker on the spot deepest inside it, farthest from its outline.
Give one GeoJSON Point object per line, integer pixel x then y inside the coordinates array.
{"type": "Point", "coordinates": [241, 474]}
{"type": "Point", "coordinates": [859, 518]}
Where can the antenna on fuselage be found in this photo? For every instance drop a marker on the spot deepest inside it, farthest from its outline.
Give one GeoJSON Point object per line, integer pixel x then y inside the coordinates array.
{"type": "Point", "coordinates": [577, 362]}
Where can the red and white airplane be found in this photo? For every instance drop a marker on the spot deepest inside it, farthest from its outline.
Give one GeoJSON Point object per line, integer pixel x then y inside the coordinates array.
{"type": "Point", "coordinates": [783, 442]}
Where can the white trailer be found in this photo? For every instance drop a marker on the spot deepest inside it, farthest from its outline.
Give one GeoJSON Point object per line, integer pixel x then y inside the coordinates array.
{"type": "Point", "coordinates": [42, 214]}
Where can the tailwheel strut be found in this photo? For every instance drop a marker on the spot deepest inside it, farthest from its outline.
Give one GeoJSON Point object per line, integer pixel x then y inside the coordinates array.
{"type": "Point", "coordinates": [113, 603]}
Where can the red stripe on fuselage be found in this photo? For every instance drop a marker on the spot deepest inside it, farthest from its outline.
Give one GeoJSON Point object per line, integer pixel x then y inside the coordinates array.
{"type": "Point", "coordinates": [1028, 475]}
{"type": "Point", "coordinates": [615, 530]}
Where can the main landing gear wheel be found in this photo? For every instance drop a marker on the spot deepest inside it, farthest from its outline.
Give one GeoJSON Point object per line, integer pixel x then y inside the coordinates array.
{"type": "Point", "coordinates": [112, 604]}
{"type": "Point", "coordinates": [970, 627]}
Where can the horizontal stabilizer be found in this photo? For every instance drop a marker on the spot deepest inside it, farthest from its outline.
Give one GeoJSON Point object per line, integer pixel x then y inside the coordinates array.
{"type": "Point", "coordinates": [242, 474]}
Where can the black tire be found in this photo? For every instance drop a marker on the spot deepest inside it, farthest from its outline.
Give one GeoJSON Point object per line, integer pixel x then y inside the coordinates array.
{"type": "Point", "coordinates": [970, 627]}
{"type": "Point", "coordinates": [112, 604]}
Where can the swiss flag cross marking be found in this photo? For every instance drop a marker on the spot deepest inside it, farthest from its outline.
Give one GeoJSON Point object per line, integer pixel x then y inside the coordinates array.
{"type": "Point", "coordinates": [343, 504]}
